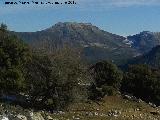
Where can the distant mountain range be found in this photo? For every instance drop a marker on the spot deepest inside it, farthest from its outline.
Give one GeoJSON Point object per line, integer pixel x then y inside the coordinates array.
{"type": "Point", "coordinates": [152, 58]}
{"type": "Point", "coordinates": [96, 44]}
{"type": "Point", "coordinates": [144, 41]}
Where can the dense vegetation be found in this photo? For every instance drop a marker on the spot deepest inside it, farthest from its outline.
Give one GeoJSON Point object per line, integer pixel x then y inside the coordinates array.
{"type": "Point", "coordinates": [46, 79]}
{"type": "Point", "coordinates": [107, 79]}
{"type": "Point", "coordinates": [13, 56]}
{"type": "Point", "coordinates": [55, 79]}
{"type": "Point", "coordinates": [143, 82]}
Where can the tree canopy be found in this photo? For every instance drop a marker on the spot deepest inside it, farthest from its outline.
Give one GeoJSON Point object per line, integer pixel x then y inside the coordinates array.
{"type": "Point", "coordinates": [13, 56]}
{"type": "Point", "coordinates": [143, 82]}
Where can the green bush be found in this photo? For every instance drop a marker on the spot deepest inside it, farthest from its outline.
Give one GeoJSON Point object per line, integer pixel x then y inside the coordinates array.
{"type": "Point", "coordinates": [107, 77]}
{"type": "Point", "coordinates": [14, 54]}
{"type": "Point", "coordinates": [54, 79]}
{"type": "Point", "coordinates": [143, 82]}
{"type": "Point", "coordinates": [106, 73]}
{"type": "Point", "coordinates": [109, 90]}
{"type": "Point", "coordinates": [95, 93]}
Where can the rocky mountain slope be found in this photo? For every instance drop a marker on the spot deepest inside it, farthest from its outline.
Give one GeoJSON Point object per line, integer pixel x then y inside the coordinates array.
{"type": "Point", "coordinates": [152, 58]}
{"type": "Point", "coordinates": [96, 44]}
{"type": "Point", "coordinates": [144, 41]}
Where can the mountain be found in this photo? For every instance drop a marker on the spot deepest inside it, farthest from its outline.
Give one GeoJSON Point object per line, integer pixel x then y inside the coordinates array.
{"type": "Point", "coordinates": [144, 41]}
{"type": "Point", "coordinates": [96, 44]}
{"type": "Point", "coordinates": [152, 58]}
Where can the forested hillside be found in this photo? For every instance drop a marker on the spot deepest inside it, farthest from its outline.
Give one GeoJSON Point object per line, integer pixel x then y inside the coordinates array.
{"type": "Point", "coordinates": [96, 44]}
{"type": "Point", "coordinates": [59, 80]}
{"type": "Point", "coordinates": [152, 58]}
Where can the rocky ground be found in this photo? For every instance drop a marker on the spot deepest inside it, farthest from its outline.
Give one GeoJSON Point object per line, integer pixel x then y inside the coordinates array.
{"type": "Point", "coordinates": [110, 108]}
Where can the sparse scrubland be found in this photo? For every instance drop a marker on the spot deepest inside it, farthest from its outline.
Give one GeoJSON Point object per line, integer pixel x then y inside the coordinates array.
{"type": "Point", "coordinates": [60, 85]}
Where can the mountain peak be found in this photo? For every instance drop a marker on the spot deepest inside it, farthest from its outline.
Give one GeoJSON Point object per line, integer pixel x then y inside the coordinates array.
{"type": "Point", "coordinates": [60, 24]}
{"type": "Point", "coordinates": [71, 25]}
{"type": "Point", "coordinates": [146, 32]}
{"type": "Point", "coordinates": [145, 41]}
{"type": "Point", "coordinates": [95, 43]}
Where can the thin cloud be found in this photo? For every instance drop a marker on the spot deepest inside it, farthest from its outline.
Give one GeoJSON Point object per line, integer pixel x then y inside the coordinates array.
{"type": "Point", "coordinates": [105, 5]}
{"type": "Point", "coordinates": [85, 5]}
{"type": "Point", "coordinates": [125, 3]}
{"type": "Point", "coordinates": [120, 3]}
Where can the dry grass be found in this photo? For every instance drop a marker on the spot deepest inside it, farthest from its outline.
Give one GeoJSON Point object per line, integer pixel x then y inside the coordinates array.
{"type": "Point", "coordinates": [110, 108]}
{"type": "Point", "coordinates": [127, 110]}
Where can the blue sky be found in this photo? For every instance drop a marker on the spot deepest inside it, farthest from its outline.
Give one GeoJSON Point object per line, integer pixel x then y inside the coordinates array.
{"type": "Point", "coordinates": [123, 17]}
